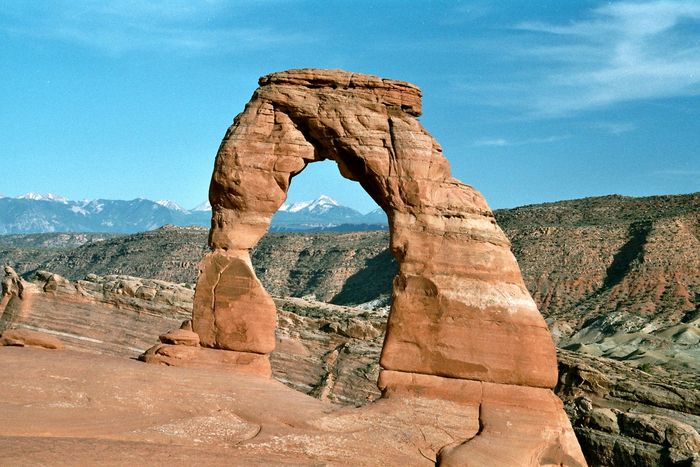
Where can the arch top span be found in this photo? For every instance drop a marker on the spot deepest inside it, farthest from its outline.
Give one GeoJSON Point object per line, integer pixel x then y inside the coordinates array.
{"type": "Point", "coordinates": [459, 308]}
{"type": "Point", "coordinates": [390, 92]}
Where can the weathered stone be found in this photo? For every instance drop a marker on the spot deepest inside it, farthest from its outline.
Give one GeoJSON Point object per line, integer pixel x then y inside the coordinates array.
{"type": "Point", "coordinates": [198, 357]}
{"type": "Point", "coordinates": [232, 311]}
{"type": "Point", "coordinates": [519, 426]}
{"type": "Point", "coordinates": [11, 288]}
{"type": "Point", "coordinates": [146, 293]}
{"type": "Point", "coordinates": [186, 325]}
{"type": "Point", "coordinates": [604, 419]}
{"type": "Point", "coordinates": [11, 283]}
{"type": "Point", "coordinates": [25, 337]}
{"type": "Point", "coordinates": [662, 430]}
{"type": "Point", "coordinates": [460, 308]}
{"type": "Point", "coordinates": [399, 383]}
{"type": "Point", "coordinates": [180, 337]}
{"type": "Point", "coordinates": [55, 282]}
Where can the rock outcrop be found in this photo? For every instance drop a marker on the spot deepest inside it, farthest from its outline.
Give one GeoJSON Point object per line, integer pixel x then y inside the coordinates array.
{"type": "Point", "coordinates": [26, 338]}
{"type": "Point", "coordinates": [113, 315]}
{"type": "Point", "coordinates": [461, 316]}
{"type": "Point", "coordinates": [624, 416]}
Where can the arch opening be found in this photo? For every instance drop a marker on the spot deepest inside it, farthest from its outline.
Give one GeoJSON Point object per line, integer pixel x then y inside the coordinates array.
{"type": "Point", "coordinates": [331, 285]}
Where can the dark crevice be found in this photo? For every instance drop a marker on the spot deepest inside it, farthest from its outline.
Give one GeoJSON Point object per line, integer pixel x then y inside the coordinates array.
{"type": "Point", "coordinates": [625, 256]}
{"type": "Point", "coordinates": [372, 281]}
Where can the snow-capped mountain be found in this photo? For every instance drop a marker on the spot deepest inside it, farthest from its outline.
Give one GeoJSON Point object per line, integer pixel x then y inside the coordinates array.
{"type": "Point", "coordinates": [170, 205]}
{"type": "Point", "coordinates": [204, 206]}
{"type": "Point", "coordinates": [320, 205]}
{"type": "Point", "coordinates": [35, 213]}
{"type": "Point", "coordinates": [43, 197]}
{"type": "Point", "coordinates": [322, 213]}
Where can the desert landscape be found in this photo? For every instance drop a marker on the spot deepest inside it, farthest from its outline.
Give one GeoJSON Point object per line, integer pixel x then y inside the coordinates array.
{"type": "Point", "coordinates": [360, 233]}
{"type": "Point", "coordinates": [334, 365]}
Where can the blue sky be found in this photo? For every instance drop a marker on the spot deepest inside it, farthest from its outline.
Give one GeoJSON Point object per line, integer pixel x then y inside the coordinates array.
{"type": "Point", "coordinates": [532, 101]}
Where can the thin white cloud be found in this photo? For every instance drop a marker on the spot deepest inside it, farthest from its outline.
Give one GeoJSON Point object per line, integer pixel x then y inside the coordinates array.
{"type": "Point", "coordinates": [492, 142]}
{"type": "Point", "coordinates": [625, 51]}
{"type": "Point", "coordinates": [117, 26]}
{"type": "Point", "coordinates": [615, 128]}
{"type": "Point", "coordinates": [505, 142]}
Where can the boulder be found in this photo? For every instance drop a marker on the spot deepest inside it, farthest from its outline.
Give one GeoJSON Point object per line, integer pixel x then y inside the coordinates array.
{"type": "Point", "coordinates": [180, 337]}
{"type": "Point", "coordinates": [25, 337]}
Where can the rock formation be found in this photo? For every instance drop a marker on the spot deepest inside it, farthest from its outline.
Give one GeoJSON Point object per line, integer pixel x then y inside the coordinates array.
{"type": "Point", "coordinates": [113, 315]}
{"type": "Point", "coordinates": [24, 338]}
{"type": "Point", "coordinates": [462, 325]}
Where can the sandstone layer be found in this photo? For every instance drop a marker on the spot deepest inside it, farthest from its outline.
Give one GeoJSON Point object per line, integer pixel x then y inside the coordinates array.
{"type": "Point", "coordinates": [82, 409]}
{"type": "Point", "coordinates": [112, 315]}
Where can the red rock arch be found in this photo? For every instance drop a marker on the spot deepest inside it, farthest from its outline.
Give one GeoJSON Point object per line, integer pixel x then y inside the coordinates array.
{"type": "Point", "coordinates": [459, 309]}
{"type": "Point", "coordinates": [462, 326]}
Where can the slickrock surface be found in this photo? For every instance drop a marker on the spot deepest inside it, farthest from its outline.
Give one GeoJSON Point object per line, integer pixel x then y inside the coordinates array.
{"type": "Point", "coordinates": [83, 409]}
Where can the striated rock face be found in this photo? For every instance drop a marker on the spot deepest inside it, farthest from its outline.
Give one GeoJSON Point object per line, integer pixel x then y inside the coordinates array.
{"type": "Point", "coordinates": [460, 316]}
{"type": "Point", "coordinates": [460, 307]}
{"type": "Point", "coordinates": [113, 315]}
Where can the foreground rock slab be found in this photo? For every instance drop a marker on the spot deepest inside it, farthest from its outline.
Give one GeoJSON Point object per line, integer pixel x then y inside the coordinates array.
{"type": "Point", "coordinates": [86, 409]}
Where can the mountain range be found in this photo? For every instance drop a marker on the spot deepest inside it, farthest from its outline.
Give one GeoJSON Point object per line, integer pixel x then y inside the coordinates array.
{"type": "Point", "coordinates": [40, 213]}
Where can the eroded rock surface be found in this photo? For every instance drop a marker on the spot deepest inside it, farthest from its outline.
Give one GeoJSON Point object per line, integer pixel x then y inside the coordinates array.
{"type": "Point", "coordinates": [113, 315]}
{"type": "Point", "coordinates": [460, 310]}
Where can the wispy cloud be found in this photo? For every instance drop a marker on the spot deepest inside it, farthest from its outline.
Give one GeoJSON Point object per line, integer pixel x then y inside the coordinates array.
{"type": "Point", "coordinates": [506, 142]}
{"type": "Point", "coordinates": [116, 26]}
{"type": "Point", "coordinates": [615, 128]}
{"type": "Point", "coordinates": [492, 142]}
{"type": "Point", "coordinates": [624, 51]}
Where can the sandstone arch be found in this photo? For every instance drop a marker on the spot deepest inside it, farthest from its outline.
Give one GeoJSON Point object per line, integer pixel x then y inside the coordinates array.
{"type": "Point", "coordinates": [462, 325]}
{"type": "Point", "coordinates": [460, 307]}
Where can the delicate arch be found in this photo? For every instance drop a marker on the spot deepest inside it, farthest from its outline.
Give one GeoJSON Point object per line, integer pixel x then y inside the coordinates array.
{"type": "Point", "coordinates": [459, 309]}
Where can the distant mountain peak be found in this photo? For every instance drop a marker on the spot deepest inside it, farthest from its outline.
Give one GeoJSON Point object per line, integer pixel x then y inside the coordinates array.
{"type": "Point", "coordinates": [205, 206]}
{"type": "Point", "coordinates": [322, 203]}
{"type": "Point", "coordinates": [43, 197]}
{"type": "Point", "coordinates": [166, 203]}
{"type": "Point", "coordinates": [32, 213]}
